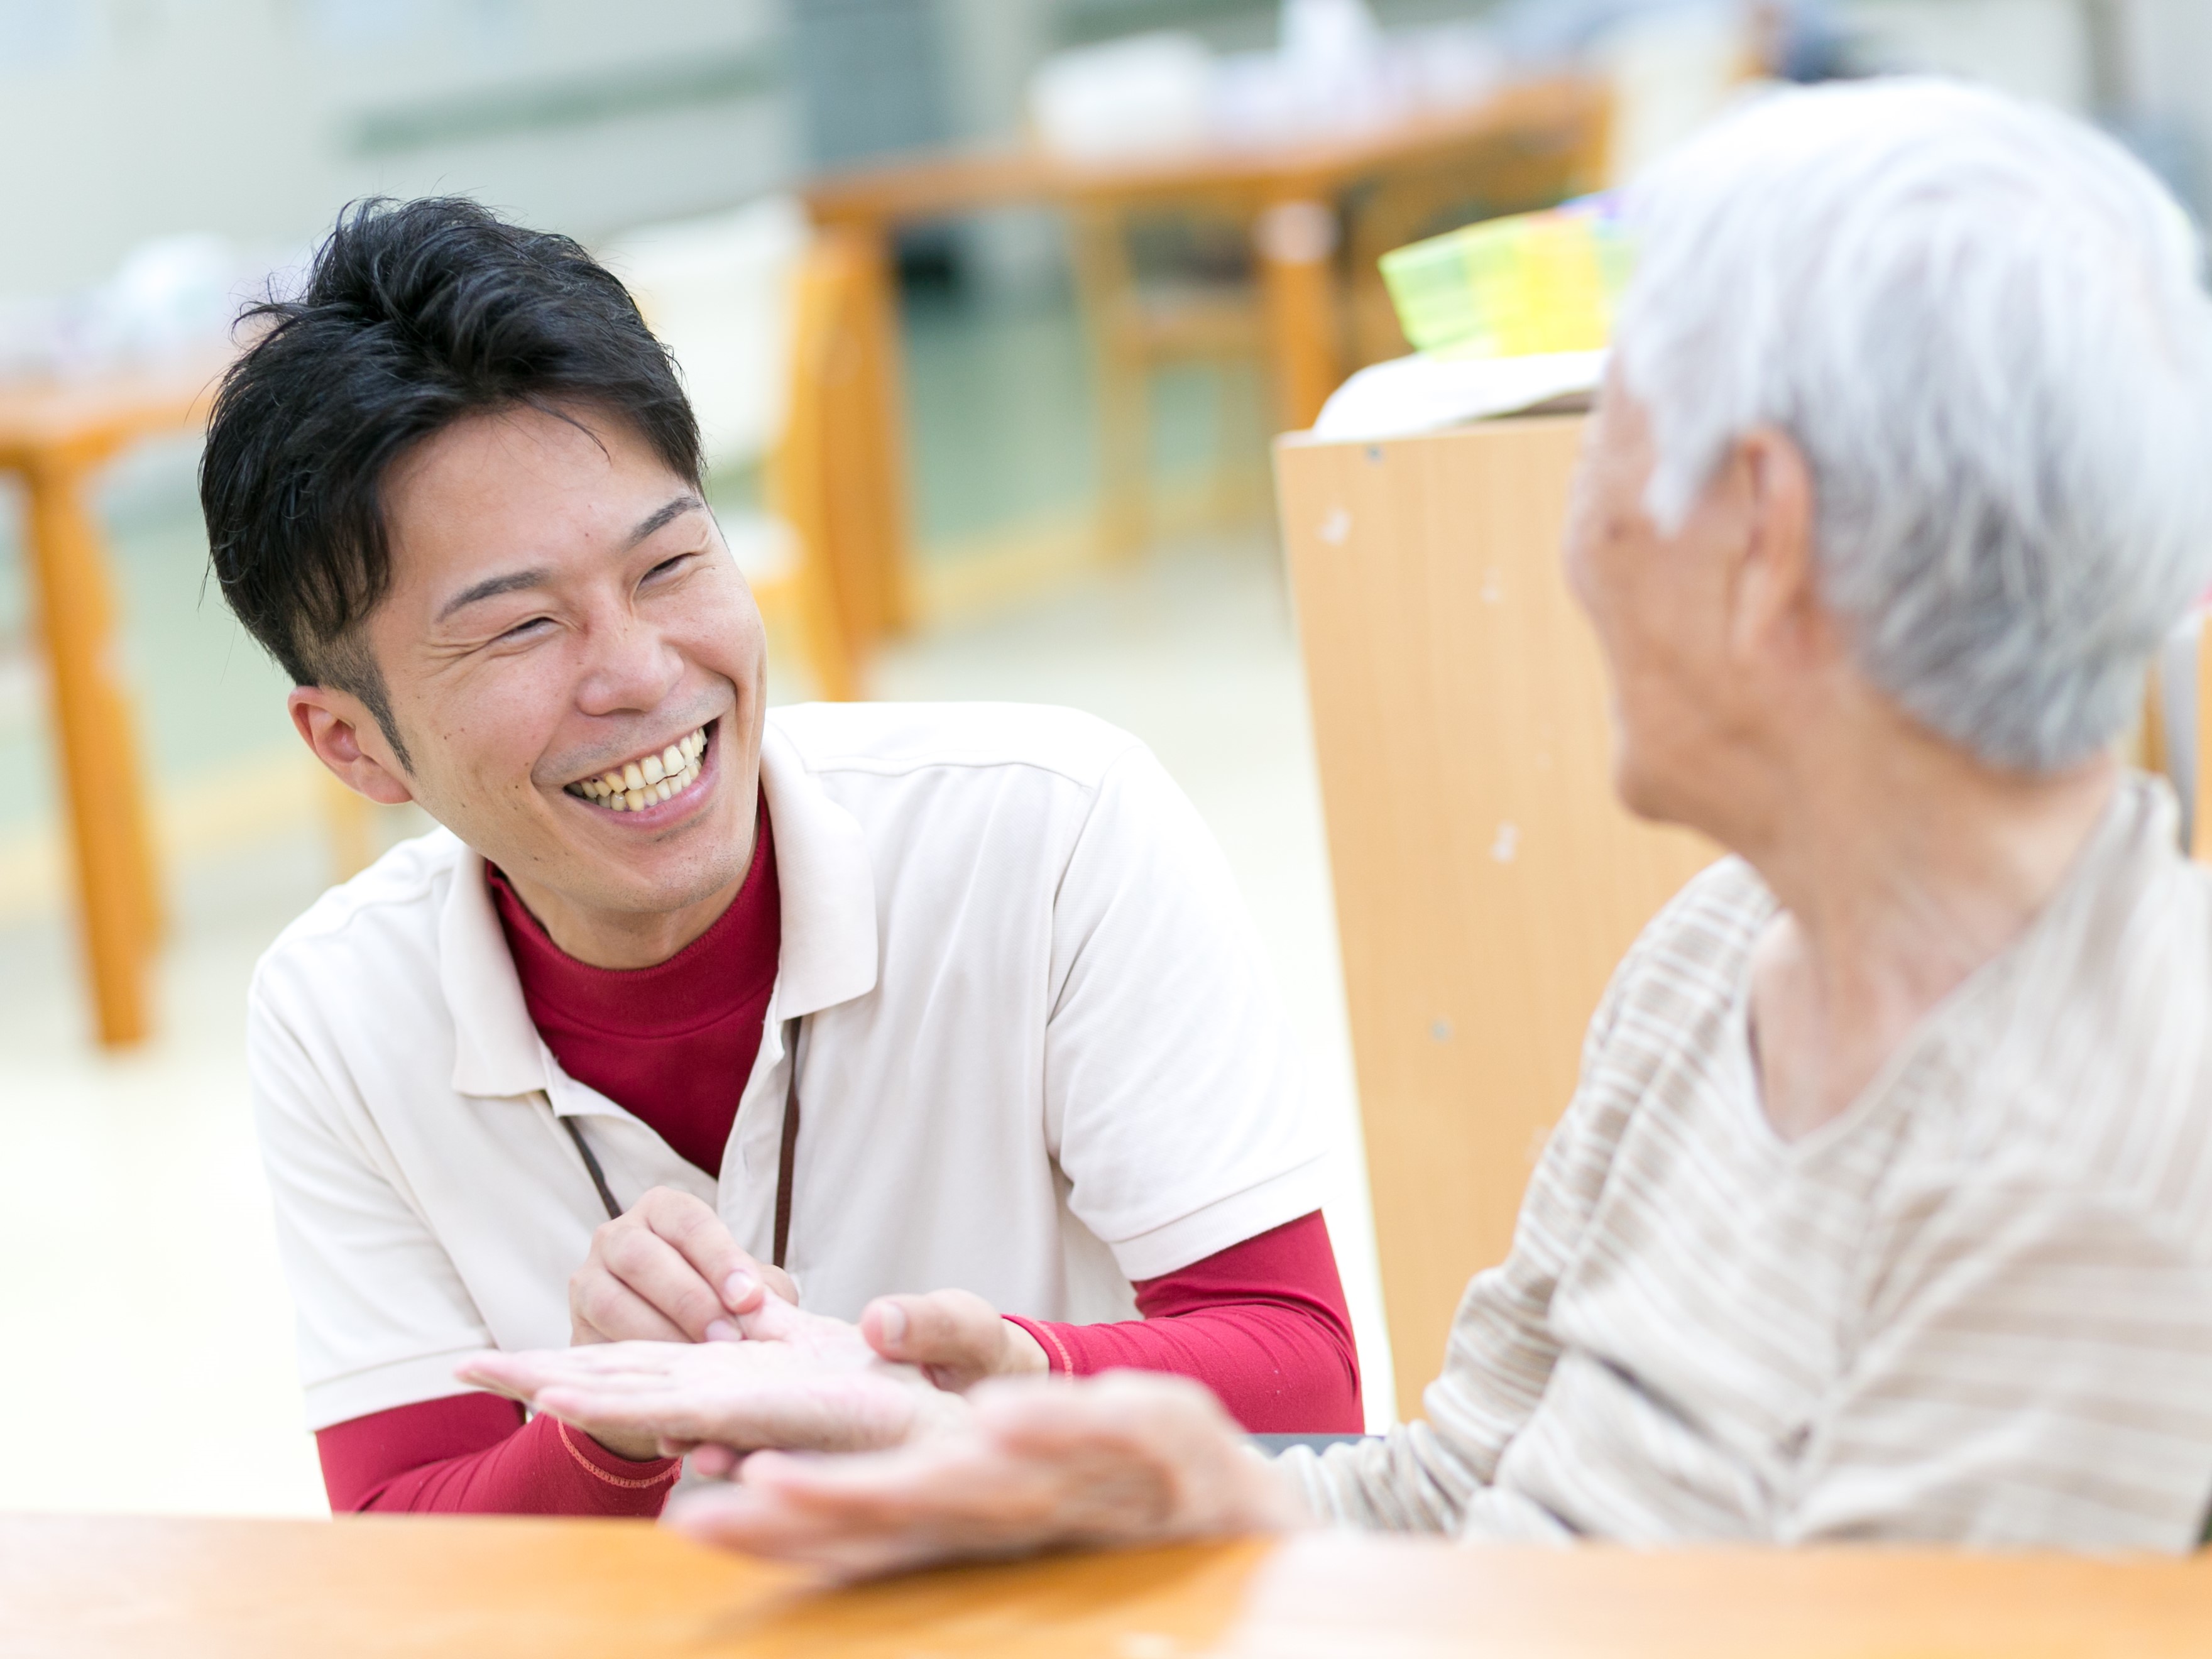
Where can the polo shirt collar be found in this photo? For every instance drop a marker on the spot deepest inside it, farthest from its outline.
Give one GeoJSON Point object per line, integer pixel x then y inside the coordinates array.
{"type": "Point", "coordinates": [828, 884]}
{"type": "Point", "coordinates": [828, 954]}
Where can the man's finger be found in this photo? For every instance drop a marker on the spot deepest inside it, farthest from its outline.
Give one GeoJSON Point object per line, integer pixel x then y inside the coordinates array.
{"type": "Point", "coordinates": [694, 1230]}
{"type": "Point", "coordinates": [743, 1290]}
{"type": "Point", "coordinates": [664, 1277]}
{"type": "Point", "coordinates": [957, 1329]}
{"type": "Point", "coordinates": [611, 1311]}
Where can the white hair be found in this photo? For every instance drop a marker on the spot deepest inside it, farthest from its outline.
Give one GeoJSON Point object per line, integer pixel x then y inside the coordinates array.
{"type": "Point", "coordinates": [1983, 324]}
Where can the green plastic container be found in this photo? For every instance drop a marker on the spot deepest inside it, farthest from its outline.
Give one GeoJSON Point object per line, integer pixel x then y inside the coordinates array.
{"type": "Point", "coordinates": [1514, 287]}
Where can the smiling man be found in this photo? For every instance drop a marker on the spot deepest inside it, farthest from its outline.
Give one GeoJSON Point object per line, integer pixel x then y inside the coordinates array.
{"type": "Point", "coordinates": [945, 1010]}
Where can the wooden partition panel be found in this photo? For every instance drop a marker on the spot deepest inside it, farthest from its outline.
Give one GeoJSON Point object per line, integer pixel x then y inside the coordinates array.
{"type": "Point", "coordinates": [1486, 880]}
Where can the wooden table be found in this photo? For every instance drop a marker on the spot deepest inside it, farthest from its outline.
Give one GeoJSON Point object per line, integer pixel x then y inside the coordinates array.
{"type": "Point", "coordinates": [56, 437]}
{"type": "Point", "coordinates": [451, 1588]}
{"type": "Point", "coordinates": [1291, 190]}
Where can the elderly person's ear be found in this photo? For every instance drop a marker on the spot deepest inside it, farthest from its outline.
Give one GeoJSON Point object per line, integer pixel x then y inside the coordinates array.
{"type": "Point", "coordinates": [1766, 490]}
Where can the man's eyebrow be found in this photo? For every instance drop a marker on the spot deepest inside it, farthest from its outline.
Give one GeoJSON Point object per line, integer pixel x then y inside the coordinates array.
{"type": "Point", "coordinates": [688, 502]}
{"type": "Point", "coordinates": [490, 587]}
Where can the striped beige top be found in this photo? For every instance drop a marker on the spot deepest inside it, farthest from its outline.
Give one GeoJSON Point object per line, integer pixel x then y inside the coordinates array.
{"type": "Point", "coordinates": [1977, 1306]}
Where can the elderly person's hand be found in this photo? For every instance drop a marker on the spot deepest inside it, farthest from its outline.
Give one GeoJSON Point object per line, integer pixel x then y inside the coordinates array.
{"type": "Point", "coordinates": [666, 1270]}
{"type": "Point", "coordinates": [1022, 1466]}
{"type": "Point", "coordinates": [801, 1381]}
{"type": "Point", "coordinates": [768, 1374]}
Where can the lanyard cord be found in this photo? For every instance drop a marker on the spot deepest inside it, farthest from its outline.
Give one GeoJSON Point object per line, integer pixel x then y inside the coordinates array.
{"type": "Point", "coordinates": [787, 1154]}
{"type": "Point", "coordinates": [591, 1164]}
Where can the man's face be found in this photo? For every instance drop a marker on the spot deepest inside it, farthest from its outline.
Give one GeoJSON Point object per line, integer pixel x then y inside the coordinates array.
{"type": "Point", "coordinates": [563, 610]}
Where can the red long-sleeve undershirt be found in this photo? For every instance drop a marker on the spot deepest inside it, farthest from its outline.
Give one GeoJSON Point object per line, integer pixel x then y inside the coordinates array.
{"type": "Point", "coordinates": [472, 1454]}
{"type": "Point", "coordinates": [1262, 1323]}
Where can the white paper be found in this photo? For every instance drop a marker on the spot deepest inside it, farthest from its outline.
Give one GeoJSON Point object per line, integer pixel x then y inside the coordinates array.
{"type": "Point", "coordinates": [1420, 393]}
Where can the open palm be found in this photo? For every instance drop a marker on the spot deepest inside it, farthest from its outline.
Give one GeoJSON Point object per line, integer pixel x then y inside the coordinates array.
{"type": "Point", "coordinates": [798, 1381]}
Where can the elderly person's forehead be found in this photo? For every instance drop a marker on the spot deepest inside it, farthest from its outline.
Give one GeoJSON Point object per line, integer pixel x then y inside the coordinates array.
{"type": "Point", "coordinates": [1983, 324]}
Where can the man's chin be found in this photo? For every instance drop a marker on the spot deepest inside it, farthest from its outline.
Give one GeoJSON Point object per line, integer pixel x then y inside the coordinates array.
{"type": "Point", "coordinates": [632, 918]}
{"type": "Point", "coordinates": [619, 869]}
{"type": "Point", "coordinates": [660, 879]}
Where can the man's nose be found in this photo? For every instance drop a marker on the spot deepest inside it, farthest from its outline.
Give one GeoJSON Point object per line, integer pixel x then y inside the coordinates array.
{"type": "Point", "coordinates": [633, 667]}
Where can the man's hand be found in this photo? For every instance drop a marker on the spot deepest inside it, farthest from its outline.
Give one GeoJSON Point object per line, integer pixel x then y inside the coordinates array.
{"type": "Point", "coordinates": [1126, 1458]}
{"type": "Point", "coordinates": [954, 1336]}
{"type": "Point", "coordinates": [801, 1381]}
{"type": "Point", "coordinates": [664, 1271]}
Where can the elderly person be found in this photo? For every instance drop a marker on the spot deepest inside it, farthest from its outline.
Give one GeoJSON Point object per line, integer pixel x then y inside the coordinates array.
{"type": "Point", "coordinates": [1884, 1207]}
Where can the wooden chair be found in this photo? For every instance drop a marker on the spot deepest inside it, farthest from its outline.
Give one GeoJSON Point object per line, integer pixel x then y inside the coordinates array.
{"type": "Point", "coordinates": [827, 585]}
{"type": "Point", "coordinates": [1139, 327]}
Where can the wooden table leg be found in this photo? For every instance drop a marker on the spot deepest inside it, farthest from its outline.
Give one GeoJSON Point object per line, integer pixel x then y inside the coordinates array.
{"type": "Point", "coordinates": [878, 454]}
{"type": "Point", "coordinates": [1105, 291]}
{"type": "Point", "coordinates": [1296, 241]}
{"type": "Point", "coordinates": [94, 733]}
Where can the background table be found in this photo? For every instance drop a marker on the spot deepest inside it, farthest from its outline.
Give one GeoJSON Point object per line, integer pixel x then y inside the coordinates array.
{"type": "Point", "coordinates": [1291, 190]}
{"type": "Point", "coordinates": [57, 436]}
{"type": "Point", "coordinates": [448, 1588]}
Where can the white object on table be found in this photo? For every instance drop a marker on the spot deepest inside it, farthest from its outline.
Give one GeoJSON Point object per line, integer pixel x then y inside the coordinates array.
{"type": "Point", "coordinates": [1421, 393]}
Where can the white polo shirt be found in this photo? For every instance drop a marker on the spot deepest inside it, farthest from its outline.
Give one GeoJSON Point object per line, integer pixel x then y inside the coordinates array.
{"type": "Point", "coordinates": [1043, 1057]}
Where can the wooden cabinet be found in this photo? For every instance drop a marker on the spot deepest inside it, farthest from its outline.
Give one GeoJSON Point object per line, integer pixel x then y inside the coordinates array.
{"type": "Point", "coordinates": [1486, 880]}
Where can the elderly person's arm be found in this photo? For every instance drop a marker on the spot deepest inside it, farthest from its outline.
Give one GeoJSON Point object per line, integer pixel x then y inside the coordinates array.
{"type": "Point", "coordinates": [2036, 1370]}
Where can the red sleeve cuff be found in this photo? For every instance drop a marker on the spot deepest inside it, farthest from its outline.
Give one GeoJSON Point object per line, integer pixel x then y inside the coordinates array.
{"type": "Point", "coordinates": [1057, 1359]}
{"type": "Point", "coordinates": [1262, 1323]}
{"type": "Point", "coordinates": [597, 1461]}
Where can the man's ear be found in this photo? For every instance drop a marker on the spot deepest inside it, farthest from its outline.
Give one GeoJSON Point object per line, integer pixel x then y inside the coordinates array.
{"type": "Point", "coordinates": [1777, 592]}
{"type": "Point", "coordinates": [345, 737]}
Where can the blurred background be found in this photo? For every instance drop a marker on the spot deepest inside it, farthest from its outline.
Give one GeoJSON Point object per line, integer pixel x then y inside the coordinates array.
{"type": "Point", "coordinates": [990, 308]}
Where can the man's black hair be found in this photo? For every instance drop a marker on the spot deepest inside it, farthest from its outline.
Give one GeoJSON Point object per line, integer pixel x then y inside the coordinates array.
{"type": "Point", "coordinates": [414, 315]}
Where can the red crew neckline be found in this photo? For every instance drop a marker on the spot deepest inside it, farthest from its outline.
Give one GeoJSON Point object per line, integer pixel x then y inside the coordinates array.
{"type": "Point", "coordinates": [670, 999]}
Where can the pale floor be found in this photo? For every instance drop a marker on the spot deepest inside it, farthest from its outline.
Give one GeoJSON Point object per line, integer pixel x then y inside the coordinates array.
{"type": "Point", "coordinates": [150, 1364]}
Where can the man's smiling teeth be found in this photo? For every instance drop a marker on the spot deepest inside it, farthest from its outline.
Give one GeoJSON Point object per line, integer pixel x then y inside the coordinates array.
{"type": "Point", "coordinates": [643, 782]}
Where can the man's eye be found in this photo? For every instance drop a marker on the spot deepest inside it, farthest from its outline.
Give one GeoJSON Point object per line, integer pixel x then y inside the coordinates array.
{"type": "Point", "coordinates": [668, 567]}
{"type": "Point", "coordinates": [523, 630]}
